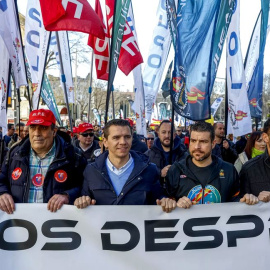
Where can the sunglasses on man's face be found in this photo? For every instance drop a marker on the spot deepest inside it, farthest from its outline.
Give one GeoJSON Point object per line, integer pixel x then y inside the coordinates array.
{"type": "Point", "coordinates": [150, 139]}
{"type": "Point", "coordinates": [87, 134]}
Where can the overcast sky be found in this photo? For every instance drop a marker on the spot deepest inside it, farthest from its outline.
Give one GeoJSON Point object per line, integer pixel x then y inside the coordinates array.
{"type": "Point", "coordinates": [145, 21]}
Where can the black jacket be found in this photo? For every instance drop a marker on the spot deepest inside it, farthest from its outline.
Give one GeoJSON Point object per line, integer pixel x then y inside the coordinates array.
{"type": "Point", "coordinates": [89, 153]}
{"type": "Point", "coordinates": [255, 175]}
{"type": "Point", "coordinates": [67, 158]}
{"type": "Point", "coordinates": [141, 188]}
{"type": "Point", "coordinates": [156, 153]}
{"type": "Point", "coordinates": [138, 145]}
{"type": "Point", "coordinates": [222, 186]}
{"type": "Point", "coordinates": [229, 155]}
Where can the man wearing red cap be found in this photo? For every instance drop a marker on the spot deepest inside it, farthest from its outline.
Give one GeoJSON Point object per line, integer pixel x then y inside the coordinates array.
{"type": "Point", "coordinates": [44, 168]}
{"type": "Point", "coordinates": [86, 141]}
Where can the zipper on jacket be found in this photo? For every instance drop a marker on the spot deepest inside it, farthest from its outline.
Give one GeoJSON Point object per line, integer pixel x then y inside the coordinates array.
{"type": "Point", "coordinates": [203, 190]}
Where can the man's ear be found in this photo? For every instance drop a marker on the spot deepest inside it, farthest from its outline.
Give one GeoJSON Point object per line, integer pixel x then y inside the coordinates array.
{"type": "Point", "coordinates": [54, 132]}
{"type": "Point", "coordinates": [213, 144]}
{"type": "Point", "coordinates": [265, 137]}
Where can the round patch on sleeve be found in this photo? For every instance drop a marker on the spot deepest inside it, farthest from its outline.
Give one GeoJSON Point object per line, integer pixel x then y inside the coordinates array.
{"type": "Point", "coordinates": [38, 180]}
{"type": "Point", "coordinates": [60, 176]}
{"type": "Point", "coordinates": [16, 174]}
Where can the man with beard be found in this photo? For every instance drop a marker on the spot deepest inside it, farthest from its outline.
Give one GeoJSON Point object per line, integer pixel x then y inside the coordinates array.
{"type": "Point", "coordinates": [202, 178]}
{"type": "Point", "coordinates": [160, 151]}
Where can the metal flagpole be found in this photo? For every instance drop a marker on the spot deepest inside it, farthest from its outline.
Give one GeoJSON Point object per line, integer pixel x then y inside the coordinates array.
{"type": "Point", "coordinates": [63, 78]}
{"type": "Point", "coordinates": [90, 87]}
{"type": "Point", "coordinates": [27, 86]}
{"type": "Point", "coordinates": [43, 72]}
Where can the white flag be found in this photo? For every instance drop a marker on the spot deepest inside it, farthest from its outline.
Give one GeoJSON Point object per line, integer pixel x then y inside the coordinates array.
{"type": "Point", "coordinates": [157, 58]}
{"type": "Point", "coordinates": [4, 68]}
{"type": "Point", "coordinates": [9, 30]}
{"type": "Point", "coordinates": [239, 120]}
{"type": "Point", "coordinates": [215, 105]}
{"type": "Point", "coordinates": [139, 103]}
{"type": "Point", "coordinates": [36, 44]}
{"type": "Point", "coordinates": [65, 53]}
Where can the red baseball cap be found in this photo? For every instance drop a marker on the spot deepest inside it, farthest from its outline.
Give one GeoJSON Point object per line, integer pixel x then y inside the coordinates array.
{"type": "Point", "coordinates": [84, 127]}
{"type": "Point", "coordinates": [75, 130]}
{"type": "Point", "coordinates": [41, 117]}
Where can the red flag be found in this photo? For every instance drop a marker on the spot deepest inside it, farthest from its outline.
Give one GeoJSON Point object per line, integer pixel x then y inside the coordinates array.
{"type": "Point", "coordinates": [130, 55]}
{"type": "Point", "coordinates": [101, 49]}
{"type": "Point", "coordinates": [71, 15]}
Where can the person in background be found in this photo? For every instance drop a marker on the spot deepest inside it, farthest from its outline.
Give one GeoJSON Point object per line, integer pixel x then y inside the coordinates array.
{"type": "Point", "coordinates": [25, 131]}
{"type": "Point", "coordinates": [255, 173]}
{"type": "Point", "coordinates": [10, 132]}
{"type": "Point", "coordinates": [179, 133]}
{"type": "Point", "coordinates": [18, 134]}
{"type": "Point", "coordinates": [86, 141]}
{"type": "Point", "coordinates": [150, 139]}
{"type": "Point", "coordinates": [159, 154]}
{"type": "Point", "coordinates": [224, 148]}
{"type": "Point", "coordinates": [255, 147]}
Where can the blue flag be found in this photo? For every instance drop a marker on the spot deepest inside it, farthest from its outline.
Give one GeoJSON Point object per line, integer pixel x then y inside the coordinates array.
{"type": "Point", "coordinates": [255, 85]}
{"type": "Point", "coordinates": [200, 26]}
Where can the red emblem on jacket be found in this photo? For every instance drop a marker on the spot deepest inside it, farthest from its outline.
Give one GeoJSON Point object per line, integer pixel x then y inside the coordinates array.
{"type": "Point", "coordinates": [38, 180]}
{"type": "Point", "coordinates": [16, 173]}
{"type": "Point", "coordinates": [60, 176]}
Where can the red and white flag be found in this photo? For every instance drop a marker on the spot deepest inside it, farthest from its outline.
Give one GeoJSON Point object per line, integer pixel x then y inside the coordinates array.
{"type": "Point", "coordinates": [71, 15]}
{"type": "Point", "coordinates": [9, 30]}
{"type": "Point", "coordinates": [101, 48]}
{"type": "Point", "coordinates": [130, 55]}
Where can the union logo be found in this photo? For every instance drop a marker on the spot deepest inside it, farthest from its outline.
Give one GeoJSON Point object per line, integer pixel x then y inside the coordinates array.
{"type": "Point", "coordinates": [60, 176]}
{"type": "Point", "coordinates": [208, 195]}
{"type": "Point", "coordinates": [16, 174]}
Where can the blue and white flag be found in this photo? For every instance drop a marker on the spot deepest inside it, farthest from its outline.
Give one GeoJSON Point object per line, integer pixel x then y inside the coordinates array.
{"type": "Point", "coordinates": [65, 53]}
{"type": "Point", "coordinates": [155, 63]}
{"type": "Point", "coordinates": [36, 45]}
{"type": "Point", "coordinates": [9, 31]}
{"type": "Point", "coordinates": [196, 41]}
{"type": "Point", "coordinates": [254, 61]}
{"type": "Point", "coordinates": [215, 105]}
{"type": "Point", "coordinates": [239, 120]}
{"type": "Point", "coordinates": [4, 76]}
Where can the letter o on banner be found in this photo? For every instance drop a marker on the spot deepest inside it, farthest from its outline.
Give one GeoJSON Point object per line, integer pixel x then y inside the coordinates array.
{"type": "Point", "coordinates": [233, 51]}
{"type": "Point", "coordinates": [30, 227]}
{"type": "Point", "coordinates": [157, 63]}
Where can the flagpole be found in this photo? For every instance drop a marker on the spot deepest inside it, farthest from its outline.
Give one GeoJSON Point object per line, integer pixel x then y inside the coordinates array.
{"type": "Point", "coordinates": [171, 141]}
{"type": "Point", "coordinates": [113, 102]}
{"type": "Point", "coordinates": [90, 87]}
{"type": "Point", "coordinates": [27, 86]}
{"type": "Point", "coordinates": [63, 78]}
{"type": "Point", "coordinates": [110, 64]}
{"type": "Point", "coordinates": [226, 105]}
{"type": "Point", "coordinates": [43, 72]}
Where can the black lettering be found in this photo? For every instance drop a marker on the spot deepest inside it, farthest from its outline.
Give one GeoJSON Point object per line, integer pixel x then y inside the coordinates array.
{"type": "Point", "coordinates": [151, 235]}
{"type": "Point", "coordinates": [120, 225]}
{"type": "Point", "coordinates": [30, 227]}
{"type": "Point", "coordinates": [195, 222]}
{"type": "Point", "coordinates": [57, 223]}
{"type": "Point", "coordinates": [233, 235]}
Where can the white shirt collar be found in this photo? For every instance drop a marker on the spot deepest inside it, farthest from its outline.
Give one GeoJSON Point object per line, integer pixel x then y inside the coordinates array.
{"type": "Point", "coordinates": [121, 170]}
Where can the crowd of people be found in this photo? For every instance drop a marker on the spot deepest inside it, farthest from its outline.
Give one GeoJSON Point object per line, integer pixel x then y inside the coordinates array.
{"type": "Point", "coordinates": [112, 165]}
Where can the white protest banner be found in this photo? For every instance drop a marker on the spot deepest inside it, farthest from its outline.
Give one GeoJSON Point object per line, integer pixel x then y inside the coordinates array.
{"type": "Point", "coordinates": [65, 52]}
{"type": "Point", "coordinates": [216, 236]}
{"type": "Point", "coordinates": [4, 73]}
{"type": "Point", "coordinates": [9, 30]}
{"type": "Point", "coordinates": [36, 44]}
{"type": "Point", "coordinates": [239, 120]}
{"type": "Point", "coordinates": [158, 52]}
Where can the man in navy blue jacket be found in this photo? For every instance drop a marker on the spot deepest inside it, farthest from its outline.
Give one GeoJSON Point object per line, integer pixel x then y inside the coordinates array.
{"type": "Point", "coordinates": [120, 176]}
{"type": "Point", "coordinates": [42, 168]}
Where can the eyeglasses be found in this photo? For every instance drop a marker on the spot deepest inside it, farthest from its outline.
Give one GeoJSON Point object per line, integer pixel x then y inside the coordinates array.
{"type": "Point", "coordinates": [87, 134]}
{"type": "Point", "coordinates": [149, 139]}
